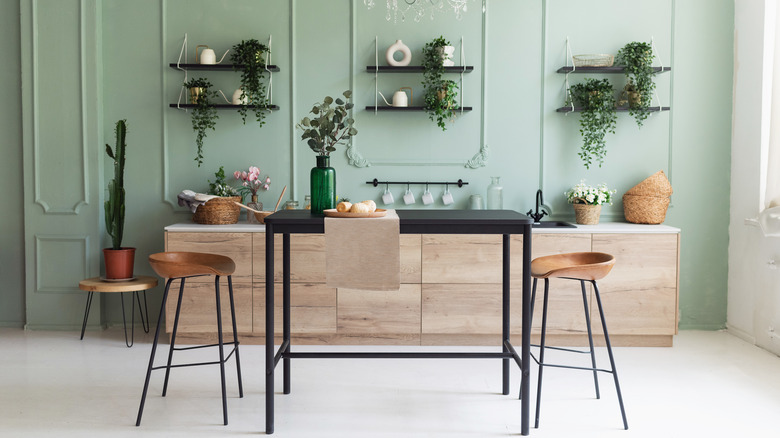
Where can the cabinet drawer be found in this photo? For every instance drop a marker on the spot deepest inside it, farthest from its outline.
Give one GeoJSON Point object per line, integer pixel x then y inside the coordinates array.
{"type": "Point", "coordinates": [237, 246]}
{"type": "Point", "coordinates": [199, 307]}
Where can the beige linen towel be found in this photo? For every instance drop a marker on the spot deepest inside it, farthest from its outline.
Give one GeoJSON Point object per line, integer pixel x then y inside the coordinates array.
{"type": "Point", "coordinates": [363, 253]}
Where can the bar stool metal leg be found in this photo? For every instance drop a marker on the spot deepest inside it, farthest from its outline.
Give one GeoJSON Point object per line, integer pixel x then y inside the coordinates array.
{"type": "Point", "coordinates": [173, 338]}
{"type": "Point", "coordinates": [86, 313]}
{"type": "Point", "coordinates": [221, 351]}
{"type": "Point", "coordinates": [541, 351]}
{"type": "Point", "coordinates": [154, 348]}
{"type": "Point", "coordinates": [590, 339]}
{"type": "Point", "coordinates": [235, 336]}
{"type": "Point", "coordinates": [611, 357]}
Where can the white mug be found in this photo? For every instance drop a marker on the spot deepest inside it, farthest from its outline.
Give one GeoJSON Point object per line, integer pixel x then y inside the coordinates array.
{"type": "Point", "coordinates": [408, 197]}
{"type": "Point", "coordinates": [427, 197]}
{"type": "Point", "coordinates": [387, 197]}
{"type": "Point", "coordinates": [446, 198]}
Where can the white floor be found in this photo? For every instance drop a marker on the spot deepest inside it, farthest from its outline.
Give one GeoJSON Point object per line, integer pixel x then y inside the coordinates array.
{"type": "Point", "coordinates": [709, 384]}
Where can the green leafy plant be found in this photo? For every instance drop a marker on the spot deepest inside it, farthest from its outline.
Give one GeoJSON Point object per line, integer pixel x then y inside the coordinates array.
{"type": "Point", "coordinates": [204, 114]}
{"type": "Point", "coordinates": [331, 126]}
{"type": "Point", "coordinates": [440, 95]}
{"type": "Point", "coordinates": [585, 194]}
{"type": "Point", "coordinates": [220, 187]}
{"type": "Point", "coordinates": [248, 57]}
{"type": "Point", "coordinates": [115, 205]}
{"type": "Point", "coordinates": [597, 117]}
{"type": "Point", "coordinates": [637, 60]}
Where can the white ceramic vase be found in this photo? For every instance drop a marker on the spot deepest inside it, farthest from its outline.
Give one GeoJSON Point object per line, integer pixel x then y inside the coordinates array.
{"type": "Point", "coordinates": [399, 46]}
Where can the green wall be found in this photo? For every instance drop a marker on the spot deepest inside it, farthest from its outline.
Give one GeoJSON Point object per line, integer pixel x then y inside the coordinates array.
{"type": "Point", "coordinates": [324, 47]}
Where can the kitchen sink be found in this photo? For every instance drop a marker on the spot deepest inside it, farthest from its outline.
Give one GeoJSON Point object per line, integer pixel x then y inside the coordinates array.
{"type": "Point", "coordinates": [553, 224]}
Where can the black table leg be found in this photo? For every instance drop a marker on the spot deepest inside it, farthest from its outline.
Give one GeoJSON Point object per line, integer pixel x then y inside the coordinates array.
{"type": "Point", "coordinates": [86, 313]}
{"type": "Point", "coordinates": [525, 355]}
{"type": "Point", "coordinates": [269, 329]}
{"type": "Point", "coordinates": [505, 314]}
{"type": "Point", "coordinates": [286, 310]}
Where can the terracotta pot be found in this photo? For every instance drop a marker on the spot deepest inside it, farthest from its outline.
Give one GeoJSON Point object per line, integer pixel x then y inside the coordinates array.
{"type": "Point", "coordinates": [119, 262]}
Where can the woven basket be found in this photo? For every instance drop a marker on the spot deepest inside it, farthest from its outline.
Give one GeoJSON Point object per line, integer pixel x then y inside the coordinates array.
{"type": "Point", "coordinates": [587, 214]}
{"type": "Point", "coordinates": [655, 185]}
{"type": "Point", "coordinates": [262, 215]}
{"type": "Point", "coordinates": [218, 211]}
{"type": "Point", "coordinates": [601, 60]}
{"type": "Point", "coordinates": [640, 209]}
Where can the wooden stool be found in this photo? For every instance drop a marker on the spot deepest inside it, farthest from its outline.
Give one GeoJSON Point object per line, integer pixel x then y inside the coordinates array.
{"type": "Point", "coordinates": [140, 283]}
{"type": "Point", "coordinates": [183, 265]}
{"type": "Point", "coordinates": [582, 267]}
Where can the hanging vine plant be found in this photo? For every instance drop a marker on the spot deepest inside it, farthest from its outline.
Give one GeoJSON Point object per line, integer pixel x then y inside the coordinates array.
{"type": "Point", "coordinates": [204, 114]}
{"type": "Point", "coordinates": [597, 117]}
{"type": "Point", "coordinates": [637, 60]}
{"type": "Point", "coordinates": [248, 57]}
{"type": "Point", "coordinates": [440, 94]}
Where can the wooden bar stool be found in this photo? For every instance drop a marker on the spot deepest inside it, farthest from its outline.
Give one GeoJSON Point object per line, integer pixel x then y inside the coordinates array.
{"type": "Point", "coordinates": [180, 266]}
{"type": "Point", "coordinates": [582, 267]}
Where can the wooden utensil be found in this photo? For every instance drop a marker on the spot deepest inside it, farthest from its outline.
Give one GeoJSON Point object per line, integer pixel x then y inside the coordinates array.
{"type": "Point", "coordinates": [280, 198]}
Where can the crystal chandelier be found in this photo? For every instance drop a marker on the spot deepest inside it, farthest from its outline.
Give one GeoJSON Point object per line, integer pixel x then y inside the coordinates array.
{"type": "Point", "coordinates": [420, 8]}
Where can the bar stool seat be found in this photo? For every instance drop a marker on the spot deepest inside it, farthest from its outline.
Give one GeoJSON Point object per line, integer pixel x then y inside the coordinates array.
{"type": "Point", "coordinates": [582, 267]}
{"type": "Point", "coordinates": [180, 266]}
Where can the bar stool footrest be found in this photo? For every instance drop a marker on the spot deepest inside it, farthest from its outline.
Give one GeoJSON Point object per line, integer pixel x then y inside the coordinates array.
{"type": "Point", "coordinates": [162, 367]}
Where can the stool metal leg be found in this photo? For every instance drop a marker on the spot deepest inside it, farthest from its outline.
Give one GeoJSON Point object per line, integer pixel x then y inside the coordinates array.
{"type": "Point", "coordinates": [132, 318]}
{"type": "Point", "coordinates": [144, 321]}
{"type": "Point", "coordinates": [154, 348]}
{"type": "Point", "coordinates": [590, 338]}
{"type": "Point", "coordinates": [541, 351]}
{"type": "Point", "coordinates": [173, 338]}
{"type": "Point", "coordinates": [86, 313]}
{"type": "Point", "coordinates": [235, 336]}
{"type": "Point", "coordinates": [611, 357]}
{"type": "Point", "coordinates": [221, 351]}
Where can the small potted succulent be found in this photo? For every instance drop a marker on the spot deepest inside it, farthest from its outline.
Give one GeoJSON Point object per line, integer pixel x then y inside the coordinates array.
{"type": "Point", "coordinates": [223, 208]}
{"type": "Point", "coordinates": [587, 201]}
{"type": "Point", "coordinates": [596, 101]}
{"type": "Point", "coordinates": [118, 260]}
{"type": "Point", "coordinates": [204, 115]}
{"type": "Point", "coordinates": [331, 125]}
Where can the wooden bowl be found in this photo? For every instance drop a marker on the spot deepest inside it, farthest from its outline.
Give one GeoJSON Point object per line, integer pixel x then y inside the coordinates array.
{"type": "Point", "coordinates": [261, 216]}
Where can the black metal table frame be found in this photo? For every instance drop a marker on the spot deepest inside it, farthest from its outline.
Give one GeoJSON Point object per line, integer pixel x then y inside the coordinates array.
{"type": "Point", "coordinates": [504, 222]}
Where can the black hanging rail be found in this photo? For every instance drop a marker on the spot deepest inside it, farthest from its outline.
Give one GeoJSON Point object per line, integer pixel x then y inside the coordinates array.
{"type": "Point", "coordinates": [376, 182]}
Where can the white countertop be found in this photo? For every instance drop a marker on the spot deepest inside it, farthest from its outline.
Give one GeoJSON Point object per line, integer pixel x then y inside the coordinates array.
{"type": "Point", "coordinates": [601, 228]}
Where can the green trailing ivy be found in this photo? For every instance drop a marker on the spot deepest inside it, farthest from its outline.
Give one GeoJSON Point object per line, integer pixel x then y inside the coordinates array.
{"type": "Point", "coordinates": [204, 114]}
{"type": "Point", "coordinates": [597, 117]}
{"type": "Point", "coordinates": [440, 95]}
{"type": "Point", "coordinates": [248, 57]}
{"type": "Point", "coordinates": [637, 60]}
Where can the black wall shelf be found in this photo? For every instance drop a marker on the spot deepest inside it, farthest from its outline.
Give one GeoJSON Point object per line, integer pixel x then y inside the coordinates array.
{"type": "Point", "coordinates": [567, 109]}
{"type": "Point", "coordinates": [215, 67]}
{"type": "Point", "coordinates": [416, 69]}
{"type": "Point", "coordinates": [613, 69]}
{"type": "Point", "coordinates": [221, 106]}
{"type": "Point", "coordinates": [406, 108]}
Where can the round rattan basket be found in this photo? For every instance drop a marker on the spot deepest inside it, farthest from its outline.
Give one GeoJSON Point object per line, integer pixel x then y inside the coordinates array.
{"type": "Point", "coordinates": [587, 214]}
{"type": "Point", "coordinates": [641, 209]}
{"type": "Point", "coordinates": [218, 211]}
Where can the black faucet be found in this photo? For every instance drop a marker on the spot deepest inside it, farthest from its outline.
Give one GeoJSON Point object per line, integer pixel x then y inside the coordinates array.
{"type": "Point", "coordinates": [539, 202]}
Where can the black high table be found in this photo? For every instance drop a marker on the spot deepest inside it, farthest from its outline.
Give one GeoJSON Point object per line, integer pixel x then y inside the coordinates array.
{"type": "Point", "coordinates": [505, 222]}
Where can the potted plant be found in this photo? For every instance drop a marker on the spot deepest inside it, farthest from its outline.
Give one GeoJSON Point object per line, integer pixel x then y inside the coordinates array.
{"type": "Point", "coordinates": [637, 60]}
{"type": "Point", "coordinates": [251, 183]}
{"type": "Point", "coordinates": [597, 117]}
{"type": "Point", "coordinates": [222, 208]}
{"type": "Point", "coordinates": [440, 94]}
{"type": "Point", "coordinates": [248, 57]}
{"type": "Point", "coordinates": [587, 201]}
{"type": "Point", "coordinates": [118, 260]}
{"type": "Point", "coordinates": [331, 125]}
{"type": "Point", "coordinates": [204, 114]}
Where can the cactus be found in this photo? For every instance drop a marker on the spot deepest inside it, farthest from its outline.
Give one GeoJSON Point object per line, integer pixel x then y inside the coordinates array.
{"type": "Point", "coordinates": [115, 205]}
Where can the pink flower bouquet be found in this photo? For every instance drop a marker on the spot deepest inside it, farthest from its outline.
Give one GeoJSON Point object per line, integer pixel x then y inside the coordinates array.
{"type": "Point", "coordinates": [251, 182]}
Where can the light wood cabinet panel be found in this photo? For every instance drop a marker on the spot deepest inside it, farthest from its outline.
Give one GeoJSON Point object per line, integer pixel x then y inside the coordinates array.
{"type": "Point", "coordinates": [461, 308]}
{"type": "Point", "coordinates": [411, 258]}
{"type": "Point", "coordinates": [237, 246]}
{"type": "Point", "coordinates": [312, 308]}
{"type": "Point", "coordinates": [366, 312]}
{"type": "Point", "coordinates": [458, 258]}
{"type": "Point", "coordinates": [640, 293]}
{"type": "Point", "coordinates": [199, 308]}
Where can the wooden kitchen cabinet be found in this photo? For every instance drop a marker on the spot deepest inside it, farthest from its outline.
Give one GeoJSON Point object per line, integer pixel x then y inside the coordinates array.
{"type": "Point", "coordinates": [450, 292]}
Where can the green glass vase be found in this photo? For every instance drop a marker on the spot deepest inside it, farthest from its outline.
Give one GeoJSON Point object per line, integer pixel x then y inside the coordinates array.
{"type": "Point", "coordinates": [323, 185]}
